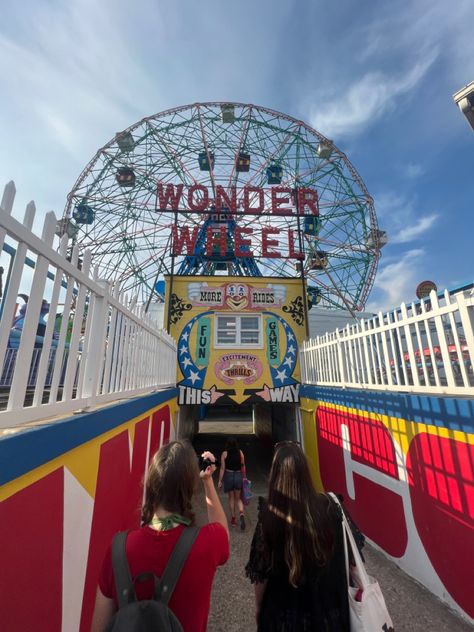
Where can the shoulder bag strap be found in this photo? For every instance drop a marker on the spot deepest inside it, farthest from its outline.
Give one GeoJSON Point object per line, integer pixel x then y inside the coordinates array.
{"type": "Point", "coordinates": [347, 535]}
{"type": "Point", "coordinates": [123, 579]}
{"type": "Point", "coordinates": [164, 588]}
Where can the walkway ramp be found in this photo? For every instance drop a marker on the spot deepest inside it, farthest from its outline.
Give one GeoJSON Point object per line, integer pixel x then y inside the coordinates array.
{"type": "Point", "coordinates": [412, 607]}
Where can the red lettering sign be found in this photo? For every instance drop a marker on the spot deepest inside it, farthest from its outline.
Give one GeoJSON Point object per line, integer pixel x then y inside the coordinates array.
{"type": "Point", "coordinates": [223, 199]}
{"type": "Point", "coordinates": [250, 194]}
{"type": "Point", "coordinates": [278, 201]}
{"type": "Point", "coordinates": [169, 196]}
{"type": "Point", "coordinates": [216, 237]}
{"type": "Point", "coordinates": [284, 200]}
{"type": "Point", "coordinates": [308, 198]}
{"type": "Point", "coordinates": [201, 203]}
{"type": "Point", "coordinates": [292, 253]}
{"type": "Point", "coordinates": [268, 243]}
{"type": "Point", "coordinates": [240, 242]}
{"type": "Point", "coordinates": [182, 238]}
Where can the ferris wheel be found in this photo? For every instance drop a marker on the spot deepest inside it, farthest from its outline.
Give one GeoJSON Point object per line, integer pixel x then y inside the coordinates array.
{"type": "Point", "coordinates": [227, 155]}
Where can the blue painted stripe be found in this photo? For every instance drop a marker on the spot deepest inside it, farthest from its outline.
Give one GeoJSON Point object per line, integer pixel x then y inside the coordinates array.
{"type": "Point", "coordinates": [22, 452]}
{"type": "Point", "coordinates": [453, 413]}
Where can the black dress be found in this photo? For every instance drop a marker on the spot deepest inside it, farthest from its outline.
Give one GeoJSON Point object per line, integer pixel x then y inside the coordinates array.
{"type": "Point", "coordinates": [319, 603]}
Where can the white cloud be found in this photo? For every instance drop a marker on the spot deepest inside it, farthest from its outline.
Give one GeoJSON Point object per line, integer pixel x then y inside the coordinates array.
{"type": "Point", "coordinates": [409, 233]}
{"type": "Point", "coordinates": [396, 282]}
{"type": "Point", "coordinates": [401, 217]}
{"type": "Point", "coordinates": [366, 100]}
{"type": "Point", "coordinates": [413, 170]}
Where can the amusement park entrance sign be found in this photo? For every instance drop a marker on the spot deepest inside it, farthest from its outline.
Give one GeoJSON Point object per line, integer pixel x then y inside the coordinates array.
{"type": "Point", "coordinates": [226, 204]}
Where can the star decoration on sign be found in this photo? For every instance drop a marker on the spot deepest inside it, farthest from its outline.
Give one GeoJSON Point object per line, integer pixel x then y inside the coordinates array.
{"type": "Point", "coordinates": [187, 362]}
{"type": "Point", "coordinates": [193, 376]}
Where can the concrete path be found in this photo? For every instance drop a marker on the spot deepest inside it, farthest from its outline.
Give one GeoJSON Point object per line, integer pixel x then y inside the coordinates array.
{"type": "Point", "coordinates": [412, 607]}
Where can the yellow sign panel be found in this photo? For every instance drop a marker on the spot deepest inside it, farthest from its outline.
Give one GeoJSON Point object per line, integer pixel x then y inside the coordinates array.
{"type": "Point", "coordinates": [238, 338]}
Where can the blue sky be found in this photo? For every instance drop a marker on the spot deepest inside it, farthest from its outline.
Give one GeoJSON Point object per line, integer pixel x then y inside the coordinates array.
{"type": "Point", "coordinates": [375, 76]}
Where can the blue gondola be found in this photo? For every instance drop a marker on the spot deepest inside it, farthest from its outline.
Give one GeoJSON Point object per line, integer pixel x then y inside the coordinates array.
{"type": "Point", "coordinates": [311, 225]}
{"type": "Point", "coordinates": [83, 214]}
{"type": "Point", "coordinates": [206, 161]}
{"type": "Point", "coordinates": [314, 296]}
{"type": "Point", "coordinates": [274, 174]}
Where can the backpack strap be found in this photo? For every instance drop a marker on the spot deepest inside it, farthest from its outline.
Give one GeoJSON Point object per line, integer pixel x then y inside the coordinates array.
{"type": "Point", "coordinates": [164, 588]}
{"type": "Point", "coordinates": [123, 580]}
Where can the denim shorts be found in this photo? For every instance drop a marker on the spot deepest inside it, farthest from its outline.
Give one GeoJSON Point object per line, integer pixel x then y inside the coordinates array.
{"type": "Point", "coordinates": [232, 480]}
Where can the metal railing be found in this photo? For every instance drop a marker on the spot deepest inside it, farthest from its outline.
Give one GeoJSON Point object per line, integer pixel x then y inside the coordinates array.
{"type": "Point", "coordinates": [426, 347]}
{"type": "Point", "coordinates": [95, 346]}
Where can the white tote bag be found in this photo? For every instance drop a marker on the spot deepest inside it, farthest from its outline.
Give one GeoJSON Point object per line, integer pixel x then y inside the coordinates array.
{"type": "Point", "coordinates": [370, 614]}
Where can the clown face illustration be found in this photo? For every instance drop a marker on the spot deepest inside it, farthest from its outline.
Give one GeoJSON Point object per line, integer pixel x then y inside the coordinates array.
{"type": "Point", "coordinates": [236, 296]}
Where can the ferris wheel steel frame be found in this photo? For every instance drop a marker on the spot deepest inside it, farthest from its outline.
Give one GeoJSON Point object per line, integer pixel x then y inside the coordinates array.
{"type": "Point", "coordinates": [129, 236]}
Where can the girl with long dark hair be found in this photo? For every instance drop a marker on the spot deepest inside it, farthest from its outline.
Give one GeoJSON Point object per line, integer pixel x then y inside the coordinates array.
{"type": "Point", "coordinates": [297, 554]}
{"type": "Point", "coordinates": [232, 463]}
{"type": "Point", "coordinates": [172, 479]}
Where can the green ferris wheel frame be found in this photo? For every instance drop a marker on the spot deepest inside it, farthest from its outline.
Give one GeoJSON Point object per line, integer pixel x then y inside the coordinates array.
{"type": "Point", "coordinates": [129, 236]}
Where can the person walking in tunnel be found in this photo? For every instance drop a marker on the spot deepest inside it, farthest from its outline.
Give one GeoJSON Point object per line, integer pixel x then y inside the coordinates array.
{"type": "Point", "coordinates": [232, 464]}
{"type": "Point", "coordinates": [171, 481]}
{"type": "Point", "coordinates": [297, 561]}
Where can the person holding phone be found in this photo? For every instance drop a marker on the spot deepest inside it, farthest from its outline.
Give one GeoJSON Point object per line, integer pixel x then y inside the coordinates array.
{"type": "Point", "coordinates": [172, 479]}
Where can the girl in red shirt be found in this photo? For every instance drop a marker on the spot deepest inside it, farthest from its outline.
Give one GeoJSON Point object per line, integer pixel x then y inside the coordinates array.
{"type": "Point", "coordinates": [172, 479]}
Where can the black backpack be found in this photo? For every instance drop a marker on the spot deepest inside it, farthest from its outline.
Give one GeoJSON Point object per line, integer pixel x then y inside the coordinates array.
{"type": "Point", "coordinates": [148, 614]}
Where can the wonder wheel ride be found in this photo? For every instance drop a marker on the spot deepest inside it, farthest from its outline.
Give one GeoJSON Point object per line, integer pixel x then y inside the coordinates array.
{"type": "Point", "coordinates": [232, 157]}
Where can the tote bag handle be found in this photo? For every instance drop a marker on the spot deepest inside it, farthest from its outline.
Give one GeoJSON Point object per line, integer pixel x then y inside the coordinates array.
{"type": "Point", "coordinates": [359, 564]}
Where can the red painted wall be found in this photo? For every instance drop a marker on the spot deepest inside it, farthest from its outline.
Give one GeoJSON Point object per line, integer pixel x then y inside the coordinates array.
{"type": "Point", "coordinates": [439, 488]}
{"type": "Point", "coordinates": [32, 529]}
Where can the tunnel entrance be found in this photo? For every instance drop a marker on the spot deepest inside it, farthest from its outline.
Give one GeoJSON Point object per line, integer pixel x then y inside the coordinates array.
{"type": "Point", "coordinates": [269, 422]}
{"type": "Point", "coordinates": [256, 427]}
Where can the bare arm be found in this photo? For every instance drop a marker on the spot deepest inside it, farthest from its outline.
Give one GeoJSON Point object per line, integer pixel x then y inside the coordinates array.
{"type": "Point", "coordinates": [104, 610]}
{"type": "Point", "coordinates": [215, 512]}
{"type": "Point", "coordinates": [221, 473]}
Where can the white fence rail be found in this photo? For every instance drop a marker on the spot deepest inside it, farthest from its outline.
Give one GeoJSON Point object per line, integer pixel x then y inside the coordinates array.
{"type": "Point", "coordinates": [427, 347]}
{"type": "Point", "coordinates": [95, 346]}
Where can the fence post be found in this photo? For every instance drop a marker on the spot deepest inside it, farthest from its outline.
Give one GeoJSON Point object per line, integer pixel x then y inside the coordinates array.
{"type": "Point", "coordinates": [96, 346]}
{"type": "Point", "coordinates": [340, 355]}
{"type": "Point", "coordinates": [28, 335]}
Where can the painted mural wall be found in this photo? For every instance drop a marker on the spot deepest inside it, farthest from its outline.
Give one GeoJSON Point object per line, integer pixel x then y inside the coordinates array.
{"type": "Point", "coordinates": [237, 338]}
{"type": "Point", "coordinates": [66, 488]}
{"type": "Point", "coordinates": [405, 465]}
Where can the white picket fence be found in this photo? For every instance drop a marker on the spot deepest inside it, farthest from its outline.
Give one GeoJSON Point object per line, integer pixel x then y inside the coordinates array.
{"type": "Point", "coordinates": [97, 346]}
{"type": "Point", "coordinates": [427, 347]}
